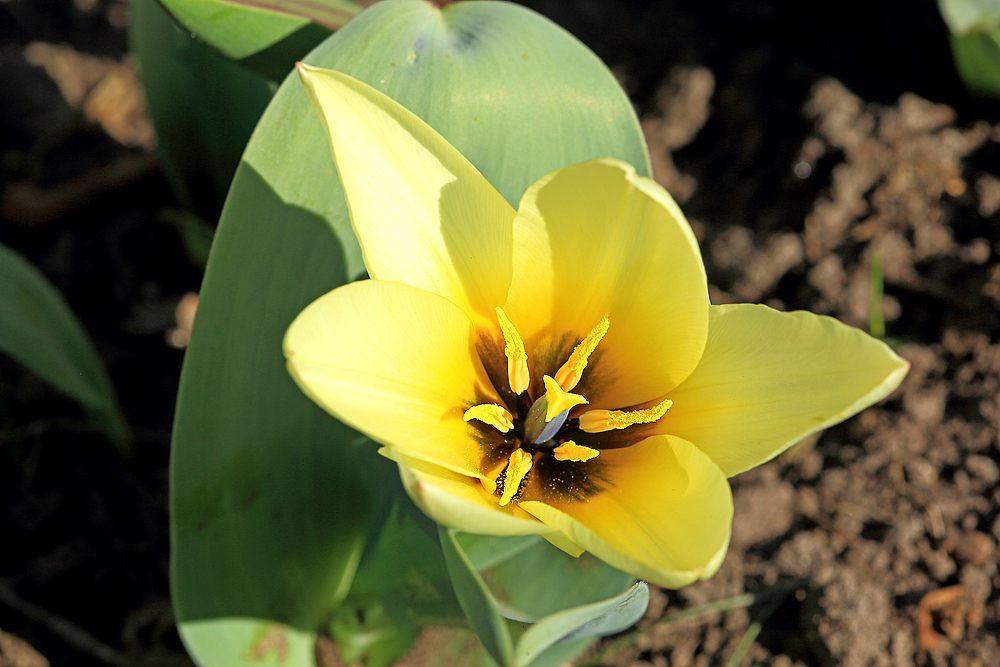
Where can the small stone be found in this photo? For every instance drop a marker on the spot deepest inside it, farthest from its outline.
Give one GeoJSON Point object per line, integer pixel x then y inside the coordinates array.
{"type": "Point", "coordinates": [983, 468]}
{"type": "Point", "coordinates": [974, 547]}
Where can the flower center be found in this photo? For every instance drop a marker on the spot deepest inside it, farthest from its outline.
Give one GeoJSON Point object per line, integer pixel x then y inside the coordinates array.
{"type": "Point", "coordinates": [534, 437]}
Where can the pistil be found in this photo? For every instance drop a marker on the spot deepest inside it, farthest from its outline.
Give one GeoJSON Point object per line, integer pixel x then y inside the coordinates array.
{"type": "Point", "coordinates": [549, 412]}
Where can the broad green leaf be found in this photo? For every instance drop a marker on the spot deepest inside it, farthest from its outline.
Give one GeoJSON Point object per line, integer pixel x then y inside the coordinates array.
{"type": "Point", "coordinates": [975, 42]}
{"type": "Point", "coordinates": [258, 644]}
{"type": "Point", "coordinates": [485, 551]}
{"type": "Point", "coordinates": [600, 618]}
{"type": "Point", "coordinates": [515, 93]}
{"type": "Point", "coordinates": [242, 28]}
{"type": "Point", "coordinates": [203, 107]}
{"type": "Point", "coordinates": [38, 329]}
{"type": "Point", "coordinates": [405, 574]}
{"type": "Point", "coordinates": [965, 15]}
{"type": "Point", "coordinates": [529, 578]}
{"type": "Point", "coordinates": [476, 601]}
{"type": "Point", "coordinates": [273, 500]}
{"type": "Point", "coordinates": [562, 586]}
{"type": "Point", "coordinates": [977, 59]}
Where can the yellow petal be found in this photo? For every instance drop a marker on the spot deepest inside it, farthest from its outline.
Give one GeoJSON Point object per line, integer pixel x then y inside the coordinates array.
{"type": "Point", "coordinates": [394, 362]}
{"type": "Point", "coordinates": [665, 515]}
{"type": "Point", "coordinates": [460, 502]}
{"type": "Point", "coordinates": [768, 379]}
{"type": "Point", "coordinates": [423, 214]}
{"type": "Point", "coordinates": [595, 239]}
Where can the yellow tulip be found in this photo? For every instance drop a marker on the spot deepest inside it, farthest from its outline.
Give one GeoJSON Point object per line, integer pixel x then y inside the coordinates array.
{"type": "Point", "coordinates": [557, 369]}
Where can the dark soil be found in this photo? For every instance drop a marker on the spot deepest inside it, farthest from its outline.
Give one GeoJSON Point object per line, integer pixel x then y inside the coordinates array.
{"type": "Point", "coordinates": [805, 144]}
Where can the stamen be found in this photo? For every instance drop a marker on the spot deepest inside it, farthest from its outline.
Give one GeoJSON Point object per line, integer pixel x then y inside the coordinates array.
{"type": "Point", "coordinates": [492, 414]}
{"type": "Point", "coordinates": [572, 370]}
{"type": "Point", "coordinates": [517, 358]}
{"type": "Point", "coordinates": [509, 481]}
{"type": "Point", "coordinates": [570, 451]}
{"type": "Point", "coordinates": [558, 400]}
{"type": "Point", "coordinates": [597, 421]}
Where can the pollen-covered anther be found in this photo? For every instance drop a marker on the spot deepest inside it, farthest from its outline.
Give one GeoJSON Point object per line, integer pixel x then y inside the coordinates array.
{"type": "Point", "coordinates": [558, 399]}
{"type": "Point", "coordinates": [570, 451]}
{"type": "Point", "coordinates": [570, 373]}
{"type": "Point", "coordinates": [598, 421]}
{"type": "Point", "coordinates": [517, 358]}
{"type": "Point", "coordinates": [510, 480]}
{"type": "Point", "coordinates": [492, 414]}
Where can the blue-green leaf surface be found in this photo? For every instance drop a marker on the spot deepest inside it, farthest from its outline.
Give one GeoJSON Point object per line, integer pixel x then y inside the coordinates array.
{"type": "Point", "coordinates": [476, 601]}
{"type": "Point", "coordinates": [600, 618]}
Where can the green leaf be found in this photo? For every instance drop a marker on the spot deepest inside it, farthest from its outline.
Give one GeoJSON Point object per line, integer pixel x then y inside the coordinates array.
{"type": "Point", "coordinates": [977, 59]}
{"type": "Point", "coordinates": [516, 94]}
{"type": "Point", "coordinates": [476, 601]}
{"type": "Point", "coordinates": [600, 618]}
{"type": "Point", "coordinates": [203, 106]}
{"type": "Point", "coordinates": [256, 644]}
{"type": "Point", "coordinates": [975, 42]}
{"type": "Point", "coordinates": [272, 500]}
{"type": "Point", "coordinates": [38, 329]}
{"type": "Point", "coordinates": [963, 16]}
{"type": "Point", "coordinates": [242, 28]}
{"type": "Point", "coordinates": [405, 574]}
{"type": "Point", "coordinates": [529, 578]}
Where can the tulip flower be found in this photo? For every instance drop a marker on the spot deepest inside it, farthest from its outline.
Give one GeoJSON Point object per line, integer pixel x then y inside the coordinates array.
{"type": "Point", "coordinates": [558, 369]}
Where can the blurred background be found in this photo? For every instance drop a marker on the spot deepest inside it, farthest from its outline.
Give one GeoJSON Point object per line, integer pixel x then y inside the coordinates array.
{"type": "Point", "coordinates": [829, 157]}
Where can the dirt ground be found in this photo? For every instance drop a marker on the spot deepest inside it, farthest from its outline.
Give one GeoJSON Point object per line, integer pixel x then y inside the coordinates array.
{"type": "Point", "coordinates": [819, 153]}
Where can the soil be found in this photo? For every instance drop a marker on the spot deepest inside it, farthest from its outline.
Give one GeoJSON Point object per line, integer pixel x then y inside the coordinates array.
{"type": "Point", "coordinates": [815, 150]}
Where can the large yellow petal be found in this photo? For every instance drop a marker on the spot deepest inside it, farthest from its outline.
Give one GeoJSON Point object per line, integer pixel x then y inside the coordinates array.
{"type": "Point", "coordinates": [395, 362]}
{"type": "Point", "coordinates": [665, 515]}
{"type": "Point", "coordinates": [423, 214]}
{"type": "Point", "coordinates": [595, 239]}
{"type": "Point", "coordinates": [459, 501]}
{"type": "Point", "coordinates": [768, 379]}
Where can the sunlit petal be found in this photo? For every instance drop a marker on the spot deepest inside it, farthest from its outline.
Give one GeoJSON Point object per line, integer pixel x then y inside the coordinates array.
{"type": "Point", "coordinates": [663, 516]}
{"type": "Point", "coordinates": [459, 501]}
{"type": "Point", "coordinates": [423, 214]}
{"type": "Point", "coordinates": [395, 362]}
{"type": "Point", "coordinates": [768, 379]}
{"type": "Point", "coordinates": [595, 239]}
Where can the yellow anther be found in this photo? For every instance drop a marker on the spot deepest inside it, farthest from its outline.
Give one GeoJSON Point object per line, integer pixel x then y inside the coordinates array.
{"type": "Point", "coordinates": [557, 399]}
{"type": "Point", "coordinates": [517, 358]}
{"type": "Point", "coordinates": [570, 451]}
{"type": "Point", "coordinates": [492, 414]}
{"type": "Point", "coordinates": [597, 421]}
{"type": "Point", "coordinates": [572, 370]}
{"type": "Point", "coordinates": [518, 466]}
